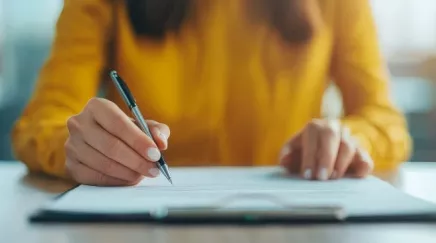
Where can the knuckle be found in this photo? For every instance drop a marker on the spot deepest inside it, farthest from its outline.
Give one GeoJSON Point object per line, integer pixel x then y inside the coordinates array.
{"type": "Point", "coordinates": [109, 105]}
{"type": "Point", "coordinates": [94, 102]}
{"type": "Point", "coordinates": [314, 125]}
{"type": "Point", "coordinates": [97, 103]}
{"type": "Point", "coordinates": [73, 124]}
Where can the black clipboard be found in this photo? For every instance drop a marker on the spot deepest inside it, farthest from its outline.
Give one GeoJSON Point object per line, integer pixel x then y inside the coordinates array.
{"type": "Point", "coordinates": [219, 214]}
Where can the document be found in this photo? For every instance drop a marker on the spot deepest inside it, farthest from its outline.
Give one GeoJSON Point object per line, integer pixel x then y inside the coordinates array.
{"type": "Point", "coordinates": [242, 187]}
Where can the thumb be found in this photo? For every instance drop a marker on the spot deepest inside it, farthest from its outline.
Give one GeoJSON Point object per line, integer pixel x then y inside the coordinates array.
{"type": "Point", "coordinates": [290, 146]}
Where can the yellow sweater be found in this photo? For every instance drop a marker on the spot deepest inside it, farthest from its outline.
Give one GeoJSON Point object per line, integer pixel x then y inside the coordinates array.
{"type": "Point", "coordinates": [232, 92]}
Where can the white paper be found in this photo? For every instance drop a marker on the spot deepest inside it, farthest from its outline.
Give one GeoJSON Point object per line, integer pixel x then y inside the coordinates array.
{"type": "Point", "coordinates": [194, 187]}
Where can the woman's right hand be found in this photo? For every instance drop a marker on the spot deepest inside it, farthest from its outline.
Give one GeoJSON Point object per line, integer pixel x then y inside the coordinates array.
{"type": "Point", "coordinates": [106, 148]}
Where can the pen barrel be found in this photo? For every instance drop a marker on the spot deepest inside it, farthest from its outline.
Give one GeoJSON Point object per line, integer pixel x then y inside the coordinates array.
{"type": "Point", "coordinates": [141, 122]}
{"type": "Point", "coordinates": [161, 165]}
{"type": "Point", "coordinates": [131, 103]}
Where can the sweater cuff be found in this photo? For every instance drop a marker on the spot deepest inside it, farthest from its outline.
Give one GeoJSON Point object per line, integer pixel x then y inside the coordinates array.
{"type": "Point", "coordinates": [357, 130]}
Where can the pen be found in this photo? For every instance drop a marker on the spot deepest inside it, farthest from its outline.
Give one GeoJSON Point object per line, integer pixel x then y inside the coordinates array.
{"type": "Point", "coordinates": [131, 103]}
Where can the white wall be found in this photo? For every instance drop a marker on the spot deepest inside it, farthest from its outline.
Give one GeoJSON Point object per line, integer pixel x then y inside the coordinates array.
{"type": "Point", "coordinates": [407, 31]}
{"type": "Point", "coordinates": [26, 25]}
{"type": "Point", "coordinates": [406, 24]}
{"type": "Point", "coordinates": [27, 33]}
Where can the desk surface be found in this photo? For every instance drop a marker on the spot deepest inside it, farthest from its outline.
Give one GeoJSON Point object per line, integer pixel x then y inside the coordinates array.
{"type": "Point", "coordinates": [21, 194]}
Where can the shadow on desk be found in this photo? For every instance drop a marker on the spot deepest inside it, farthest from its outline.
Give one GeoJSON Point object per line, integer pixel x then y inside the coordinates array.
{"type": "Point", "coordinates": [46, 183]}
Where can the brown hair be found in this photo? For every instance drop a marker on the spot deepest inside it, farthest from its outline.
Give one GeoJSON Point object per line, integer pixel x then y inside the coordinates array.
{"type": "Point", "coordinates": [293, 19]}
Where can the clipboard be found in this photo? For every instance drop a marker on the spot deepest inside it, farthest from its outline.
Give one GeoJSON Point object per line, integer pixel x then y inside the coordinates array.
{"type": "Point", "coordinates": [217, 214]}
{"type": "Point", "coordinates": [380, 204]}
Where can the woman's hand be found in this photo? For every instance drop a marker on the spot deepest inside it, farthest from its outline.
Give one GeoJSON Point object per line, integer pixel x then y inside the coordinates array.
{"type": "Point", "coordinates": [106, 148]}
{"type": "Point", "coordinates": [324, 150]}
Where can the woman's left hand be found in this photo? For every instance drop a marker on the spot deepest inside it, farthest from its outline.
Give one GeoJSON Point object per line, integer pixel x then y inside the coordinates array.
{"type": "Point", "coordinates": [325, 150]}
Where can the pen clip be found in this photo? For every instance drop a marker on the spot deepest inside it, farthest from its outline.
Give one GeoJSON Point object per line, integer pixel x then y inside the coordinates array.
{"type": "Point", "coordinates": [123, 89]}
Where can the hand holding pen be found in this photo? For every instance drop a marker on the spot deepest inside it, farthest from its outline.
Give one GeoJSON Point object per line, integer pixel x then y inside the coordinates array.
{"type": "Point", "coordinates": [106, 148]}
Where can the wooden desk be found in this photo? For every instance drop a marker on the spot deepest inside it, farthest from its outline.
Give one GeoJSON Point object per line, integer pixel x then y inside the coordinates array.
{"type": "Point", "coordinates": [21, 194]}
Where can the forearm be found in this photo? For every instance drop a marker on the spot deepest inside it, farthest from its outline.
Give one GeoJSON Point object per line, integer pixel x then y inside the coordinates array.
{"type": "Point", "coordinates": [69, 78]}
{"type": "Point", "coordinates": [41, 146]}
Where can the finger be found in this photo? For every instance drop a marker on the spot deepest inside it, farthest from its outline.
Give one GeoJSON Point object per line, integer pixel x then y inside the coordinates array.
{"type": "Point", "coordinates": [293, 144]}
{"type": "Point", "coordinates": [117, 150]}
{"type": "Point", "coordinates": [310, 143]}
{"type": "Point", "coordinates": [162, 127]}
{"type": "Point", "coordinates": [293, 161]}
{"type": "Point", "coordinates": [97, 161]}
{"type": "Point", "coordinates": [347, 150]}
{"type": "Point", "coordinates": [160, 133]}
{"type": "Point", "coordinates": [85, 175]}
{"type": "Point", "coordinates": [285, 156]}
{"type": "Point", "coordinates": [362, 164]}
{"type": "Point", "coordinates": [328, 146]}
{"type": "Point", "coordinates": [110, 117]}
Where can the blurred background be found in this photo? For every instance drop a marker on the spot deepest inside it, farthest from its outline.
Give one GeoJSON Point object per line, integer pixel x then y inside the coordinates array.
{"type": "Point", "coordinates": [407, 31]}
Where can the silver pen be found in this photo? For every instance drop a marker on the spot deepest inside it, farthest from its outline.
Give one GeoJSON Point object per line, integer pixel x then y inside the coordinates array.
{"type": "Point", "coordinates": [131, 103]}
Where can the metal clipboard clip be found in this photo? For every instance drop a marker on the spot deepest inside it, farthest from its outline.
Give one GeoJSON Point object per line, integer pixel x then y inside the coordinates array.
{"type": "Point", "coordinates": [222, 211]}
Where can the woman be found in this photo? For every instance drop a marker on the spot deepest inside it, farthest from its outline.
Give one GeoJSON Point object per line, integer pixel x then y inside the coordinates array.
{"type": "Point", "coordinates": [239, 82]}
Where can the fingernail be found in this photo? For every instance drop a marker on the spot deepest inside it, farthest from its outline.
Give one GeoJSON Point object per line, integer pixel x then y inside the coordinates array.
{"type": "Point", "coordinates": [154, 172]}
{"type": "Point", "coordinates": [334, 174]}
{"type": "Point", "coordinates": [323, 174]}
{"type": "Point", "coordinates": [153, 154]}
{"type": "Point", "coordinates": [307, 174]}
{"type": "Point", "coordinates": [164, 138]}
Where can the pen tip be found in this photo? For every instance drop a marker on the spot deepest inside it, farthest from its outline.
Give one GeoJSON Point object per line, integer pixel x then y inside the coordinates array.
{"type": "Point", "coordinates": [171, 181]}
